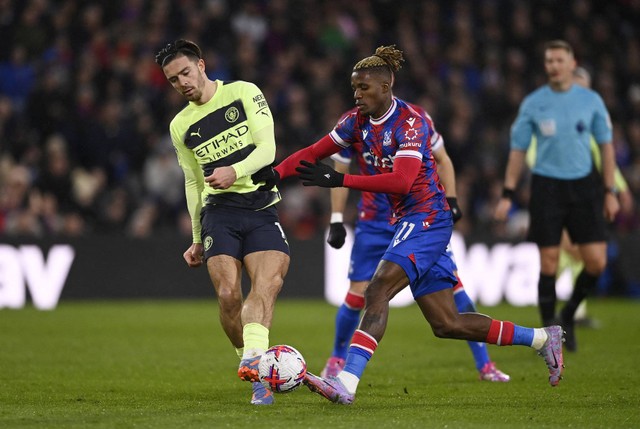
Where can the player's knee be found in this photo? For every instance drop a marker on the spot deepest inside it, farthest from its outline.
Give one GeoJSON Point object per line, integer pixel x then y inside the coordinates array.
{"type": "Point", "coordinates": [229, 297]}
{"type": "Point", "coordinates": [548, 267]}
{"type": "Point", "coordinates": [275, 283]}
{"type": "Point", "coordinates": [444, 329]}
{"type": "Point", "coordinates": [549, 261]}
{"type": "Point", "coordinates": [376, 292]}
{"type": "Point", "coordinates": [595, 266]}
{"type": "Point", "coordinates": [441, 331]}
{"type": "Point", "coordinates": [371, 294]}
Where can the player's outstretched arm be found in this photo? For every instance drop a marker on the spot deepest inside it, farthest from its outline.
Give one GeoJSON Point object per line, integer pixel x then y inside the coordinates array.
{"type": "Point", "coordinates": [319, 150]}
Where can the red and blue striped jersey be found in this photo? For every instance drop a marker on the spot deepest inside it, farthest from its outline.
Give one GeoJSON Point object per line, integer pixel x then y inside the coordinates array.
{"type": "Point", "coordinates": [405, 130]}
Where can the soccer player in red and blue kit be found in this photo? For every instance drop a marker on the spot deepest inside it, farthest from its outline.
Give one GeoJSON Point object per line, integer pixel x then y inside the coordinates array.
{"type": "Point", "coordinates": [398, 140]}
{"type": "Point", "coordinates": [373, 233]}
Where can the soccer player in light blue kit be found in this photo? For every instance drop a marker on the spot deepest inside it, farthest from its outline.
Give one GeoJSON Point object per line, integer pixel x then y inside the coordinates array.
{"type": "Point", "coordinates": [373, 233]}
{"type": "Point", "coordinates": [566, 189]}
{"type": "Point", "coordinates": [398, 140]}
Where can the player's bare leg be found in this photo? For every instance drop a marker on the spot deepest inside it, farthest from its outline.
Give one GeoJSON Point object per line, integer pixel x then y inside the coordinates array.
{"type": "Point", "coordinates": [347, 319]}
{"type": "Point", "coordinates": [388, 280]}
{"type": "Point", "coordinates": [266, 270]}
{"type": "Point", "coordinates": [440, 311]}
{"type": "Point", "coordinates": [226, 273]}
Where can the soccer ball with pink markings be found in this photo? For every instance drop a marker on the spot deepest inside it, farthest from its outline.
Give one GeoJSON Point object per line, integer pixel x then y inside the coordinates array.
{"type": "Point", "coordinates": [282, 369]}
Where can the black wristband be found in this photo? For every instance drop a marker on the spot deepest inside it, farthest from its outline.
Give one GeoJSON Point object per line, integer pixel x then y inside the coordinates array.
{"type": "Point", "coordinates": [508, 193]}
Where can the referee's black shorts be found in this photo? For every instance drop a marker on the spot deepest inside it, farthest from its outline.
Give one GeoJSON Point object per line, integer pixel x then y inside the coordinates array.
{"type": "Point", "coordinates": [573, 204]}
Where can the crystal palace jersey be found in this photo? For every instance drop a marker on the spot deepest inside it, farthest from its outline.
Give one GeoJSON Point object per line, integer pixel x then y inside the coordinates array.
{"type": "Point", "coordinates": [402, 131]}
{"type": "Point", "coordinates": [372, 205]}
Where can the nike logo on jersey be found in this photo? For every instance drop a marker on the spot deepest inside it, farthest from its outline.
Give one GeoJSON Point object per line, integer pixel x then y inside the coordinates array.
{"type": "Point", "coordinates": [196, 133]}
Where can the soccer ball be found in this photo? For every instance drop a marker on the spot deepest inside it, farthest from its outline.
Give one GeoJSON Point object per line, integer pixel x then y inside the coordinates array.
{"type": "Point", "coordinates": [282, 369]}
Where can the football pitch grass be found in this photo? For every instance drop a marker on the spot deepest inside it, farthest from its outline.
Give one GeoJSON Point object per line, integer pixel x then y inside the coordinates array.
{"type": "Point", "coordinates": [167, 364]}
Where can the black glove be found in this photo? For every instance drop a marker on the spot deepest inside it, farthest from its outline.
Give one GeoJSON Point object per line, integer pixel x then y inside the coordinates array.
{"type": "Point", "coordinates": [456, 213]}
{"type": "Point", "coordinates": [268, 175]}
{"type": "Point", "coordinates": [319, 174]}
{"type": "Point", "coordinates": [337, 234]}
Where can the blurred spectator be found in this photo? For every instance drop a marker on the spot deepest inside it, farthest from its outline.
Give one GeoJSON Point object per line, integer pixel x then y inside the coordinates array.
{"type": "Point", "coordinates": [55, 175]}
{"type": "Point", "coordinates": [84, 108]}
{"type": "Point", "coordinates": [163, 181]}
{"type": "Point", "coordinates": [17, 77]}
{"type": "Point", "coordinates": [16, 217]}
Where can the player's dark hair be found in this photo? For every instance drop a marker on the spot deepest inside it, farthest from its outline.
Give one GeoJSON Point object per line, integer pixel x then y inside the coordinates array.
{"type": "Point", "coordinates": [177, 48]}
{"type": "Point", "coordinates": [385, 58]}
{"type": "Point", "coordinates": [558, 44]}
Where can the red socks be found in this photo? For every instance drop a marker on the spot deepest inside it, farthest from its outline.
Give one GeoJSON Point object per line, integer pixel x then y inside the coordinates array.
{"type": "Point", "coordinates": [354, 302]}
{"type": "Point", "coordinates": [364, 342]}
{"type": "Point", "coordinates": [500, 333]}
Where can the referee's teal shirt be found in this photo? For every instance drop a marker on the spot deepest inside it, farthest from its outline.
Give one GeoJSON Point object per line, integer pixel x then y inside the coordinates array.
{"type": "Point", "coordinates": [562, 123]}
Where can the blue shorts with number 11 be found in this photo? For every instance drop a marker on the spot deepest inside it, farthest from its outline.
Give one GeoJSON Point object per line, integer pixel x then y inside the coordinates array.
{"type": "Point", "coordinates": [420, 248]}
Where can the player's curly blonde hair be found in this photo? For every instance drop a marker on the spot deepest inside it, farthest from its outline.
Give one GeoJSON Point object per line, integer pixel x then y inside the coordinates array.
{"type": "Point", "coordinates": [385, 56]}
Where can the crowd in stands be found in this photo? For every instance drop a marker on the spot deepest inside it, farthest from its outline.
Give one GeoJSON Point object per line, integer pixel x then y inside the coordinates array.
{"type": "Point", "coordinates": [84, 110]}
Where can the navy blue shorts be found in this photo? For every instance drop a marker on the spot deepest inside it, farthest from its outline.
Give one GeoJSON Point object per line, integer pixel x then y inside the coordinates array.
{"type": "Point", "coordinates": [420, 247]}
{"type": "Point", "coordinates": [237, 232]}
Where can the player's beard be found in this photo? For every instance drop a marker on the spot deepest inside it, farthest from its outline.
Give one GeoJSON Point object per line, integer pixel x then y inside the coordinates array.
{"type": "Point", "coordinates": [196, 93]}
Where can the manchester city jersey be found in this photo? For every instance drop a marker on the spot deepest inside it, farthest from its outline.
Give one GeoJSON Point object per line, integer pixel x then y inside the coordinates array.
{"type": "Point", "coordinates": [220, 133]}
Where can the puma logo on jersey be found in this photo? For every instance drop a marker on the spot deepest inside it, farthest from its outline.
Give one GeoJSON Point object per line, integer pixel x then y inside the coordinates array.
{"type": "Point", "coordinates": [196, 133]}
{"type": "Point", "coordinates": [411, 121]}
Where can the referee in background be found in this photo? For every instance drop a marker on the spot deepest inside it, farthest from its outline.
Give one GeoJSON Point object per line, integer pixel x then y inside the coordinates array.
{"type": "Point", "coordinates": [566, 189]}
